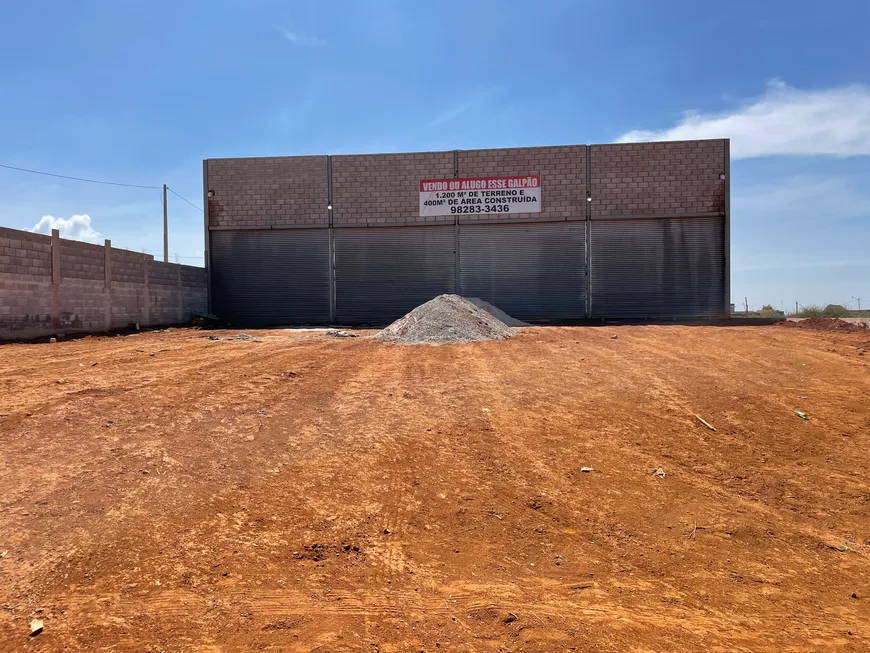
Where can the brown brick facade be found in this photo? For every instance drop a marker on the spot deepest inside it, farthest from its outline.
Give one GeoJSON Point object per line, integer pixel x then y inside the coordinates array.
{"type": "Point", "coordinates": [673, 178]}
{"type": "Point", "coordinates": [668, 179]}
{"type": "Point", "coordinates": [383, 189]}
{"type": "Point", "coordinates": [562, 171]}
{"type": "Point", "coordinates": [261, 193]}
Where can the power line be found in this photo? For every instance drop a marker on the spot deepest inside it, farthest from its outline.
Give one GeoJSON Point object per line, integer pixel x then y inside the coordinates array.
{"type": "Point", "coordinates": [185, 199]}
{"type": "Point", "coordinates": [98, 181]}
{"type": "Point", "coordinates": [90, 181]}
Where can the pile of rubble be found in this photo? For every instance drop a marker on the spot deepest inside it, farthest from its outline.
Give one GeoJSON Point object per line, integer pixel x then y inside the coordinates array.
{"type": "Point", "coordinates": [447, 318]}
{"type": "Point", "coordinates": [825, 324]}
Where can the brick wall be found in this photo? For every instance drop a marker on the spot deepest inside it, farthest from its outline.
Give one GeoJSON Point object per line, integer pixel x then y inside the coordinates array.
{"type": "Point", "coordinates": [260, 193]}
{"type": "Point", "coordinates": [673, 178]}
{"type": "Point", "coordinates": [84, 296]}
{"type": "Point", "coordinates": [562, 171]}
{"type": "Point", "coordinates": [384, 189]}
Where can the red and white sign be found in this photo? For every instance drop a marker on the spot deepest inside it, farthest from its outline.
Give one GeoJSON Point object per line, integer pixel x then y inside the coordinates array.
{"type": "Point", "coordinates": [480, 195]}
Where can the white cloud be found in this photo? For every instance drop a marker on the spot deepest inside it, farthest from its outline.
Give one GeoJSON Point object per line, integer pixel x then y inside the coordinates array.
{"type": "Point", "coordinates": [784, 120]}
{"type": "Point", "coordinates": [78, 227]}
{"type": "Point", "coordinates": [299, 40]}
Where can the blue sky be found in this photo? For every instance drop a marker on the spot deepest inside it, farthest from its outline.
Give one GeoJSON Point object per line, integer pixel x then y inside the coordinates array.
{"type": "Point", "coordinates": [141, 92]}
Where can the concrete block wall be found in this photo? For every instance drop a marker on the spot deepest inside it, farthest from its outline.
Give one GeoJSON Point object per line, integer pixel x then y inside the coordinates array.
{"type": "Point", "coordinates": [24, 253]}
{"type": "Point", "coordinates": [267, 192]}
{"type": "Point", "coordinates": [563, 179]}
{"type": "Point", "coordinates": [164, 287]}
{"type": "Point", "coordinates": [384, 189]}
{"type": "Point", "coordinates": [25, 280]}
{"type": "Point", "coordinates": [129, 266]}
{"type": "Point", "coordinates": [652, 179]}
{"type": "Point", "coordinates": [127, 289]}
{"type": "Point", "coordinates": [671, 178]}
{"type": "Point", "coordinates": [25, 304]}
{"type": "Point", "coordinates": [82, 261]}
{"type": "Point", "coordinates": [82, 305]}
{"type": "Point", "coordinates": [127, 301]}
{"type": "Point", "coordinates": [81, 292]}
{"type": "Point", "coordinates": [194, 291]}
{"type": "Point", "coordinates": [49, 285]}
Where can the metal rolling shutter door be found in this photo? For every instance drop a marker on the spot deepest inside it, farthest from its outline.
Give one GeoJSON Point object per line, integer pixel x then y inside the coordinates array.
{"type": "Point", "coordinates": [270, 277]}
{"type": "Point", "coordinates": [658, 267]}
{"type": "Point", "coordinates": [381, 273]}
{"type": "Point", "coordinates": [530, 271]}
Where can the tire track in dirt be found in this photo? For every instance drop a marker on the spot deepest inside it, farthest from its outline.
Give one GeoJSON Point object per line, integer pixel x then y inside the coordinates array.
{"type": "Point", "coordinates": [340, 453]}
{"type": "Point", "coordinates": [406, 372]}
{"type": "Point", "coordinates": [372, 606]}
{"type": "Point", "coordinates": [660, 387]}
{"type": "Point", "coordinates": [720, 373]}
{"type": "Point", "coordinates": [138, 492]}
{"type": "Point", "coordinates": [483, 446]}
{"type": "Point", "coordinates": [551, 473]}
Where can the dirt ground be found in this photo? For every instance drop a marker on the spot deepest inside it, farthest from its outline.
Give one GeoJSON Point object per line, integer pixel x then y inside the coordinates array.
{"type": "Point", "coordinates": [168, 492]}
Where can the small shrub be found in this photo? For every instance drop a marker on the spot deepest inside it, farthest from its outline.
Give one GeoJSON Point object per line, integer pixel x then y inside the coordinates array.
{"type": "Point", "coordinates": [835, 310]}
{"type": "Point", "coordinates": [813, 310]}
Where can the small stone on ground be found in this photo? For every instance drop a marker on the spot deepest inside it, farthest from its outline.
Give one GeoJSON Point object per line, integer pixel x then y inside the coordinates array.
{"type": "Point", "coordinates": [341, 334]}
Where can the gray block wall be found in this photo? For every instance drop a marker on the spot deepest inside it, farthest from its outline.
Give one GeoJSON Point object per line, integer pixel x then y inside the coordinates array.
{"type": "Point", "coordinates": [666, 179]}
{"type": "Point", "coordinates": [50, 285]}
{"type": "Point", "coordinates": [383, 189]}
{"type": "Point", "coordinates": [376, 190]}
{"type": "Point", "coordinates": [268, 192]}
{"type": "Point", "coordinates": [562, 170]}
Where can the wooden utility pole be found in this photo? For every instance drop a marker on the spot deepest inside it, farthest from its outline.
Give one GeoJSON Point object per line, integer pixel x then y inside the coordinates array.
{"type": "Point", "coordinates": [795, 308]}
{"type": "Point", "coordinates": [165, 227]}
{"type": "Point", "coordinates": [746, 305]}
{"type": "Point", "coordinates": [859, 301]}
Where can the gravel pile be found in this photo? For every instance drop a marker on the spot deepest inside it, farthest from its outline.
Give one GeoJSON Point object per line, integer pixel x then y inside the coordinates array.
{"type": "Point", "coordinates": [447, 318]}
{"type": "Point", "coordinates": [497, 313]}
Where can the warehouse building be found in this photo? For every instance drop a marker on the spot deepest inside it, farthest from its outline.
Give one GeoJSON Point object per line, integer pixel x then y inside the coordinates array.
{"type": "Point", "coordinates": [547, 234]}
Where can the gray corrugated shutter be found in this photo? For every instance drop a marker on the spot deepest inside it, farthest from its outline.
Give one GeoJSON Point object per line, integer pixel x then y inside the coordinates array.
{"type": "Point", "coordinates": [270, 277]}
{"type": "Point", "coordinates": [657, 267]}
{"type": "Point", "coordinates": [530, 271]}
{"type": "Point", "coordinates": [381, 273]}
